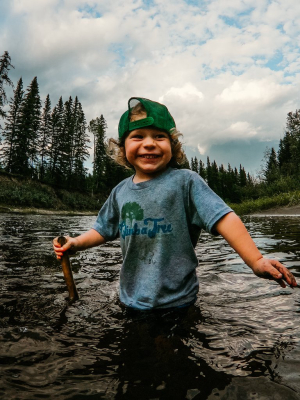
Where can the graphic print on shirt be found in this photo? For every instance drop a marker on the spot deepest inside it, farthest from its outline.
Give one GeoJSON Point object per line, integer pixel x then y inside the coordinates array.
{"type": "Point", "coordinates": [148, 226]}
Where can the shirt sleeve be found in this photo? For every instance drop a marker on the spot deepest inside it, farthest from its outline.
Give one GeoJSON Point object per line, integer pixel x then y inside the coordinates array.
{"type": "Point", "coordinates": [107, 222]}
{"type": "Point", "coordinates": [208, 206]}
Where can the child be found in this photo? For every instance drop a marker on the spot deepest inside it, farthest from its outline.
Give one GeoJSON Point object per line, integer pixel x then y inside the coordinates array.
{"type": "Point", "coordinates": [159, 213]}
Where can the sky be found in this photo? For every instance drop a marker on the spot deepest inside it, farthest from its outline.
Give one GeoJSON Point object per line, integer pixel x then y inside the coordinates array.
{"type": "Point", "coordinates": [228, 70]}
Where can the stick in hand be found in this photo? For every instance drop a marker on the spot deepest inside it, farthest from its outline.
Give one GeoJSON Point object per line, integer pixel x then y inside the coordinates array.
{"type": "Point", "coordinates": [66, 267]}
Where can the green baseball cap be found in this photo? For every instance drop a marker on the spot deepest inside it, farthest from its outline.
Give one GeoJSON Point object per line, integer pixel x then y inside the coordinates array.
{"type": "Point", "coordinates": [158, 116]}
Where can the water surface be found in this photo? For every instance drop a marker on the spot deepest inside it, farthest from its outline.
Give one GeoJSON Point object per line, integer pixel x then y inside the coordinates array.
{"type": "Point", "coordinates": [239, 341]}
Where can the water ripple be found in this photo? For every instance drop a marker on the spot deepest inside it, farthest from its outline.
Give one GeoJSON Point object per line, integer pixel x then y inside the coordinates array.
{"type": "Point", "coordinates": [240, 339]}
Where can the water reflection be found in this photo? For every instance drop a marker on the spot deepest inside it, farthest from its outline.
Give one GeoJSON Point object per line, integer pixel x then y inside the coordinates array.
{"type": "Point", "coordinates": [240, 340]}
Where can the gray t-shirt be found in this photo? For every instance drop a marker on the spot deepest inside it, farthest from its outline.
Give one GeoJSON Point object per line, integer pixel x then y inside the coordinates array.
{"type": "Point", "coordinates": [159, 222]}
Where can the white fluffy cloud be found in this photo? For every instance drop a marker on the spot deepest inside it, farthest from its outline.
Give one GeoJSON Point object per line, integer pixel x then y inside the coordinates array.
{"type": "Point", "coordinates": [226, 70]}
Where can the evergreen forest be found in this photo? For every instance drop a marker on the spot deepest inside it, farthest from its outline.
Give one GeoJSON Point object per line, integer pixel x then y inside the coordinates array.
{"type": "Point", "coordinates": [51, 144]}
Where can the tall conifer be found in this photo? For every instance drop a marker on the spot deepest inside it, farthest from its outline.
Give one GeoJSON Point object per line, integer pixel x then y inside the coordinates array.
{"type": "Point", "coordinates": [27, 144]}
{"type": "Point", "coordinates": [202, 169]}
{"type": "Point", "coordinates": [55, 173]}
{"type": "Point", "coordinates": [98, 128]}
{"type": "Point", "coordinates": [45, 137]}
{"type": "Point", "coordinates": [271, 169]}
{"type": "Point", "coordinates": [242, 177]}
{"type": "Point", "coordinates": [80, 147]}
{"type": "Point", "coordinates": [12, 128]}
{"type": "Point", "coordinates": [67, 156]}
{"type": "Point", "coordinates": [5, 65]}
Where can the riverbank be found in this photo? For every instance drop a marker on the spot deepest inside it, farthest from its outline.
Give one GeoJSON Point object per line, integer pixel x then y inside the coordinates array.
{"type": "Point", "coordinates": [275, 211]}
{"type": "Point", "coordinates": [280, 211]}
{"type": "Point", "coordinates": [27, 196]}
{"type": "Point", "coordinates": [40, 211]}
{"type": "Point", "coordinates": [283, 203]}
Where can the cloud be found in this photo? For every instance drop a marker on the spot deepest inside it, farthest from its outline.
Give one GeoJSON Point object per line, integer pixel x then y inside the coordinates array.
{"type": "Point", "coordinates": [226, 70]}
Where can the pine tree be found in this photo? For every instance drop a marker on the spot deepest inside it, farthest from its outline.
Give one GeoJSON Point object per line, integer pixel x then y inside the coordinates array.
{"type": "Point", "coordinates": [80, 147]}
{"type": "Point", "coordinates": [195, 165]}
{"type": "Point", "coordinates": [249, 179]}
{"type": "Point", "coordinates": [98, 128]}
{"type": "Point", "coordinates": [45, 137]}
{"type": "Point", "coordinates": [222, 180]}
{"type": "Point", "coordinates": [284, 155]}
{"type": "Point", "coordinates": [202, 169]}
{"type": "Point", "coordinates": [5, 65]}
{"type": "Point", "coordinates": [67, 155]}
{"type": "Point", "coordinates": [242, 177]}
{"type": "Point", "coordinates": [214, 179]}
{"type": "Point", "coordinates": [63, 132]}
{"type": "Point", "coordinates": [185, 162]}
{"type": "Point", "coordinates": [26, 150]}
{"type": "Point", "coordinates": [12, 128]}
{"type": "Point", "coordinates": [192, 164]}
{"type": "Point", "coordinates": [271, 171]}
{"type": "Point", "coordinates": [293, 128]}
{"type": "Point", "coordinates": [233, 191]}
{"type": "Point", "coordinates": [208, 172]}
{"type": "Point", "coordinates": [54, 174]}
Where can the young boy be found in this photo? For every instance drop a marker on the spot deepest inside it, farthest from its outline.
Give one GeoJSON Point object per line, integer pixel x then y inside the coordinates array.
{"type": "Point", "coordinates": [159, 213]}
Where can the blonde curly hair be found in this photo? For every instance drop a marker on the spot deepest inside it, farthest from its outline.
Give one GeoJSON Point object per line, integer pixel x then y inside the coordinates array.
{"type": "Point", "coordinates": [116, 148]}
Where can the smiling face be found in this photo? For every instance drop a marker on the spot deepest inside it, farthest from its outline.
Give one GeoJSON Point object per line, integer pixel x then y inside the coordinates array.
{"type": "Point", "coordinates": [149, 151]}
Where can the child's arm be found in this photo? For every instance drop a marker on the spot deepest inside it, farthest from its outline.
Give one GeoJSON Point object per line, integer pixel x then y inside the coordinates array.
{"type": "Point", "coordinates": [86, 240]}
{"type": "Point", "coordinates": [236, 234]}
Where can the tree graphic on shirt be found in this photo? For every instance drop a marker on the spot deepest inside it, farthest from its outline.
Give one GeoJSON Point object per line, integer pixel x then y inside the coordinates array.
{"type": "Point", "coordinates": [132, 211]}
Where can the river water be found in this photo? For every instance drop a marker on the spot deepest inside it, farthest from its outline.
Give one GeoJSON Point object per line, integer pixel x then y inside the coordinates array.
{"type": "Point", "coordinates": [239, 341]}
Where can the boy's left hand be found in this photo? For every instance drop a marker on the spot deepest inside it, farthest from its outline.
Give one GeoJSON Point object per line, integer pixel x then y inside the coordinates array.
{"type": "Point", "coordinates": [274, 270]}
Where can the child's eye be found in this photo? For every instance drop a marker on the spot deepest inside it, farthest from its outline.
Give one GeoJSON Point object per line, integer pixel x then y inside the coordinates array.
{"type": "Point", "coordinates": [137, 136]}
{"type": "Point", "coordinates": [161, 136]}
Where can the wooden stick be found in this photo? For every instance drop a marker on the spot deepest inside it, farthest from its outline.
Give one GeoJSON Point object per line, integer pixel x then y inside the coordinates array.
{"type": "Point", "coordinates": [67, 270]}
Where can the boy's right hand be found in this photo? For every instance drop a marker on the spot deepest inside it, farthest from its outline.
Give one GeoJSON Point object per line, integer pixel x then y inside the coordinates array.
{"type": "Point", "coordinates": [70, 245]}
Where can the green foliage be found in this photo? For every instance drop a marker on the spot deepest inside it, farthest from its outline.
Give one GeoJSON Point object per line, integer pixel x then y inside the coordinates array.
{"type": "Point", "coordinates": [5, 65]}
{"type": "Point", "coordinates": [98, 128]}
{"type": "Point", "coordinates": [264, 203]}
{"type": "Point", "coordinates": [19, 192]}
{"type": "Point", "coordinates": [79, 201]}
{"type": "Point", "coordinates": [45, 138]}
{"type": "Point", "coordinates": [25, 151]}
{"type": "Point", "coordinates": [11, 130]}
{"type": "Point", "coordinates": [26, 194]}
{"type": "Point", "coordinates": [229, 184]}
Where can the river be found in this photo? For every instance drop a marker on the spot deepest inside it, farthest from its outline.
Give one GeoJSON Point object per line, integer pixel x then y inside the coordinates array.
{"type": "Point", "coordinates": [239, 341]}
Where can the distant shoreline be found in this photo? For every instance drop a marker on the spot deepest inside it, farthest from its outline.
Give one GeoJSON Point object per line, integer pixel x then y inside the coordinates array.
{"type": "Point", "coordinates": [279, 211]}
{"type": "Point", "coordinates": [275, 211]}
{"type": "Point", "coordinates": [40, 211]}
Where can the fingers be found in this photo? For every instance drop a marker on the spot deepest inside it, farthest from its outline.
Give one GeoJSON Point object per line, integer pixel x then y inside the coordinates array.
{"type": "Point", "coordinates": [286, 274]}
{"type": "Point", "coordinates": [281, 283]}
{"type": "Point", "coordinates": [58, 249]}
{"type": "Point", "coordinates": [273, 269]}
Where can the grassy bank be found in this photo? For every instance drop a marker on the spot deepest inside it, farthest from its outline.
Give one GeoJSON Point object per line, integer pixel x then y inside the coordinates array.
{"type": "Point", "coordinates": [264, 203]}
{"type": "Point", "coordinates": [20, 193]}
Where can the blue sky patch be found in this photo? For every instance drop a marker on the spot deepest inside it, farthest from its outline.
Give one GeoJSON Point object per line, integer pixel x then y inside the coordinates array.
{"type": "Point", "coordinates": [275, 63]}
{"type": "Point", "coordinates": [90, 10]}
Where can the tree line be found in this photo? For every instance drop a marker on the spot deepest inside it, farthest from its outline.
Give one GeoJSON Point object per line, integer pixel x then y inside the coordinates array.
{"type": "Point", "coordinates": [231, 184]}
{"type": "Point", "coordinates": [280, 172]}
{"type": "Point", "coordinates": [285, 163]}
{"type": "Point", "coordinates": [52, 145]}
